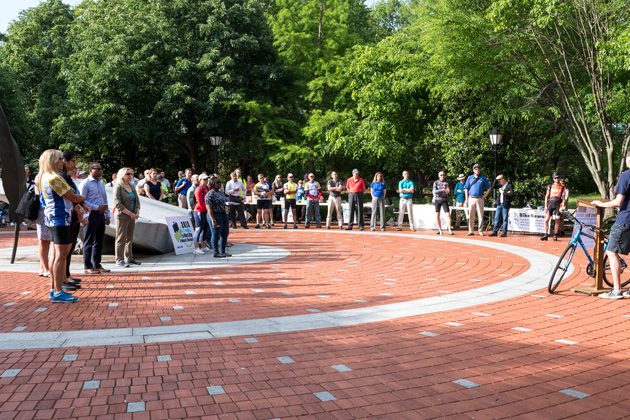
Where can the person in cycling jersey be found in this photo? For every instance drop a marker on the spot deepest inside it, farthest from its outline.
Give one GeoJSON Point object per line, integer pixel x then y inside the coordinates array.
{"type": "Point", "coordinates": [554, 204]}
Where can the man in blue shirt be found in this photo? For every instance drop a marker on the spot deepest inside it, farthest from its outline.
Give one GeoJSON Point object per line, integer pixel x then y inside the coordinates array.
{"type": "Point", "coordinates": [619, 241]}
{"type": "Point", "coordinates": [93, 190]}
{"type": "Point", "coordinates": [476, 189]}
{"type": "Point", "coordinates": [181, 188]}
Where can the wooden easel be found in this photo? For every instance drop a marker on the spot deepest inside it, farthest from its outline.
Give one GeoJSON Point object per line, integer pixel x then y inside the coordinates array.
{"type": "Point", "coordinates": [598, 253]}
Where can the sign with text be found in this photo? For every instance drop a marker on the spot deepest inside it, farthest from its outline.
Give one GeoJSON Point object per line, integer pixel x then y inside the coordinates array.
{"type": "Point", "coordinates": [586, 215]}
{"type": "Point", "coordinates": [181, 231]}
{"type": "Point", "coordinates": [526, 220]}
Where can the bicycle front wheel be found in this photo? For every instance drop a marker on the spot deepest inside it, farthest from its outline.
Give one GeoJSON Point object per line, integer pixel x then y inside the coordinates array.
{"type": "Point", "coordinates": [561, 268]}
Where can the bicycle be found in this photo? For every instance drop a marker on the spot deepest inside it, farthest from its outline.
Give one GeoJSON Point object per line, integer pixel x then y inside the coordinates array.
{"type": "Point", "coordinates": [565, 258]}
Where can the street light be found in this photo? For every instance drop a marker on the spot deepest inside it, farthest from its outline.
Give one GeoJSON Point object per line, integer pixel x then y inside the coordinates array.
{"type": "Point", "coordinates": [215, 142]}
{"type": "Point", "coordinates": [495, 139]}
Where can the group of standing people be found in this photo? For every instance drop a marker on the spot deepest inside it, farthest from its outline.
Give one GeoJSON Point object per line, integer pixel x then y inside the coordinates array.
{"type": "Point", "coordinates": [66, 206]}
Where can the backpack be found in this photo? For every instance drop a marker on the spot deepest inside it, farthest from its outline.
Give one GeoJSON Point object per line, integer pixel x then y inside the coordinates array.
{"type": "Point", "coordinates": [29, 204]}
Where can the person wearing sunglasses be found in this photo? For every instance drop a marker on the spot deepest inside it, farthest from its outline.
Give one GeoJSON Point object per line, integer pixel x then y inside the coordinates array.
{"type": "Point", "coordinates": [554, 204]}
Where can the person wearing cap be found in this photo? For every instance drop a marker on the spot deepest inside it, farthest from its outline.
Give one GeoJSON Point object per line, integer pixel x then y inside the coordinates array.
{"type": "Point", "coordinates": [441, 191]}
{"type": "Point", "coordinates": [335, 187]}
{"type": "Point", "coordinates": [290, 192]}
{"type": "Point", "coordinates": [460, 197]}
{"type": "Point", "coordinates": [202, 226]}
{"type": "Point", "coordinates": [356, 187]}
{"type": "Point", "coordinates": [95, 195]}
{"type": "Point", "coordinates": [476, 189]}
{"type": "Point", "coordinates": [619, 239]}
{"type": "Point", "coordinates": [278, 193]}
{"type": "Point", "coordinates": [263, 193]}
{"type": "Point", "coordinates": [235, 190]}
{"type": "Point", "coordinates": [406, 188]}
{"type": "Point", "coordinates": [554, 204]}
{"type": "Point", "coordinates": [504, 202]}
{"type": "Point", "coordinates": [313, 195]}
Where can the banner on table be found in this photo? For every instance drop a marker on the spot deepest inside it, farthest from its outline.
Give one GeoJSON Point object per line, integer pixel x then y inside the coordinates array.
{"type": "Point", "coordinates": [526, 220]}
{"type": "Point", "coordinates": [181, 232]}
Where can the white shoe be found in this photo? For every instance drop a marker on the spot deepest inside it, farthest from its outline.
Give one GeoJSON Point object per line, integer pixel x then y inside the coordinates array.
{"type": "Point", "coordinates": [199, 252]}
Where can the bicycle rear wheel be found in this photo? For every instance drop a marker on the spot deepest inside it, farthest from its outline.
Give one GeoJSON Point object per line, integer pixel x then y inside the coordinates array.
{"type": "Point", "coordinates": [625, 278]}
{"type": "Point", "coordinates": [561, 268]}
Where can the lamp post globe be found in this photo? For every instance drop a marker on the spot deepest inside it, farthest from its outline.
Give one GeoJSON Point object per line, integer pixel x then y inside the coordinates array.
{"type": "Point", "coordinates": [495, 139]}
{"type": "Point", "coordinates": [215, 142]}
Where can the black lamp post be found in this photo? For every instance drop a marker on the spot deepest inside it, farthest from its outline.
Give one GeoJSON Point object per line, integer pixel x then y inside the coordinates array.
{"type": "Point", "coordinates": [215, 142]}
{"type": "Point", "coordinates": [495, 139]}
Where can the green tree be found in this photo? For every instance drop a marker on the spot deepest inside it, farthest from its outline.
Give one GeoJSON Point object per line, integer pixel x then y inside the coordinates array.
{"type": "Point", "coordinates": [152, 81]}
{"type": "Point", "coordinates": [32, 54]}
{"type": "Point", "coordinates": [527, 59]}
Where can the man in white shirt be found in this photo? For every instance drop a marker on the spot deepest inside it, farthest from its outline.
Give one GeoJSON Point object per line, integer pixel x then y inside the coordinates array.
{"type": "Point", "coordinates": [235, 190]}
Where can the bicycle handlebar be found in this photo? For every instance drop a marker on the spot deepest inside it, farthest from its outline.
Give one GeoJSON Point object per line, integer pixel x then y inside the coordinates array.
{"type": "Point", "coordinates": [582, 224]}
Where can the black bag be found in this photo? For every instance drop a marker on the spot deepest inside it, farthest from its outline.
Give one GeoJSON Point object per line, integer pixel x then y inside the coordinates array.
{"type": "Point", "coordinates": [29, 204]}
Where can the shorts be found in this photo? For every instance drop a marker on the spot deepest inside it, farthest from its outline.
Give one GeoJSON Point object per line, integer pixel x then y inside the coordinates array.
{"type": "Point", "coordinates": [553, 207]}
{"type": "Point", "coordinates": [263, 204]}
{"type": "Point", "coordinates": [43, 232]}
{"type": "Point", "coordinates": [441, 205]}
{"type": "Point", "coordinates": [290, 203]}
{"type": "Point", "coordinates": [619, 240]}
{"type": "Point", "coordinates": [60, 235]}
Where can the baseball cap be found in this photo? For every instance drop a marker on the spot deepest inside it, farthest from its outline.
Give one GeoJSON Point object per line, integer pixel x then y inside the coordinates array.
{"type": "Point", "coordinates": [461, 176]}
{"type": "Point", "coordinates": [203, 176]}
{"type": "Point", "coordinates": [499, 177]}
{"type": "Point", "coordinates": [476, 166]}
{"type": "Point", "coordinates": [289, 175]}
{"type": "Point", "coordinates": [355, 171]}
{"type": "Point", "coordinates": [311, 174]}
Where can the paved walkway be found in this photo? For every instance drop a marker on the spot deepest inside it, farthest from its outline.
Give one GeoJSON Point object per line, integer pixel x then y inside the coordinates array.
{"type": "Point", "coordinates": [349, 325]}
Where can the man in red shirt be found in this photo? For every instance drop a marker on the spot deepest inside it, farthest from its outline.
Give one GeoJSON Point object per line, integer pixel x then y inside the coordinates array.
{"type": "Point", "coordinates": [355, 186]}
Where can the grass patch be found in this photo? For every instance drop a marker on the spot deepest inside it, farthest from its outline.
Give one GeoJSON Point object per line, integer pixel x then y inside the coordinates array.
{"type": "Point", "coordinates": [589, 197]}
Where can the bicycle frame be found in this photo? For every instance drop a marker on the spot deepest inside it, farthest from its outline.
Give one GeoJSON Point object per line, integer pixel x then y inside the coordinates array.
{"type": "Point", "coordinates": [577, 240]}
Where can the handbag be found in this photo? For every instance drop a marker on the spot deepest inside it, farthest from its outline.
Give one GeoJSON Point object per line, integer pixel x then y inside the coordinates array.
{"type": "Point", "coordinates": [29, 204]}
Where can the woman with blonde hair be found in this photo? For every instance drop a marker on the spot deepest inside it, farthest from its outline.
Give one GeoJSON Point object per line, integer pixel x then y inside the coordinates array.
{"type": "Point", "coordinates": [127, 205]}
{"type": "Point", "coordinates": [378, 191]}
{"type": "Point", "coordinates": [58, 199]}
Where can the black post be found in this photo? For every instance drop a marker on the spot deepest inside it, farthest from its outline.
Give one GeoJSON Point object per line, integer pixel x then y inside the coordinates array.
{"type": "Point", "coordinates": [494, 179]}
{"type": "Point", "coordinates": [16, 237]}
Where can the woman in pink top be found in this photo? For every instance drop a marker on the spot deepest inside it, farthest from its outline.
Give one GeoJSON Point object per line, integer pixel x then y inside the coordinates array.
{"type": "Point", "coordinates": [199, 213]}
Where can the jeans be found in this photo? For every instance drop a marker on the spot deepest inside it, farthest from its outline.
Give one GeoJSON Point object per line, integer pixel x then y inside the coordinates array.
{"type": "Point", "coordinates": [378, 203]}
{"type": "Point", "coordinates": [501, 219]}
{"type": "Point", "coordinates": [93, 240]}
{"type": "Point", "coordinates": [201, 227]}
{"type": "Point", "coordinates": [238, 211]}
{"type": "Point", "coordinates": [219, 233]}
{"type": "Point", "coordinates": [312, 207]}
{"type": "Point", "coordinates": [356, 203]}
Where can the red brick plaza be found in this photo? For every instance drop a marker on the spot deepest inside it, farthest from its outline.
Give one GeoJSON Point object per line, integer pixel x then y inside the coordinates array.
{"type": "Point", "coordinates": [347, 325]}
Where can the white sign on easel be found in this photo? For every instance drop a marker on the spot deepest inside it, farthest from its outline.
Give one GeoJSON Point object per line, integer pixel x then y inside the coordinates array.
{"type": "Point", "coordinates": [586, 215]}
{"type": "Point", "coordinates": [181, 232]}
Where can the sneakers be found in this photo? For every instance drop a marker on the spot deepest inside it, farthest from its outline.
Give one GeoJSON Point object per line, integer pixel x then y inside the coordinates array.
{"type": "Point", "coordinates": [469, 234]}
{"type": "Point", "coordinates": [503, 235]}
{"type": "Point", "coordinates": [69, 286]}
{"type": "Point", "coordinates": [481, 233]}
{"type": "Point", "coordinates": [450, 232]}
{"type": "Point", "coordinates": [63, 297]}
{"type": "Point", "coordinates": [493, 234]}
{"type": "Point", "coordinates": [122, 264]}
{"type": "Point", "coordinates": [103, 269]}
{"type": "Point", "coordinates": [613, 294]}
{"type": "Point", "coordinates": [134, 262]}
{"type": "Point", "coordinates": [92, 271]}
{"type": "Point", "coordinates": [198, 251]}
{"type": "Point", "coordinates": [555, 237]}
{"type": "Point", "coordinates": [439, 232]}
{"type": "Point", "coordinates": [219, 255]}
{"type": "Point", "coordinates": [225, 254]}
{"type": "Point", "coordinates": [626, 294]}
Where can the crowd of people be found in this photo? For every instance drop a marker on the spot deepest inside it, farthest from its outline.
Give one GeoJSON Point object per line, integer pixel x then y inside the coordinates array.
{"type": "Point", "coordinates": [71, 198]}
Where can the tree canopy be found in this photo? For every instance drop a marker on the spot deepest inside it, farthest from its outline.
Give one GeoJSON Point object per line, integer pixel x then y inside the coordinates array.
{"type": "Point", "coordinates": [317, 85]}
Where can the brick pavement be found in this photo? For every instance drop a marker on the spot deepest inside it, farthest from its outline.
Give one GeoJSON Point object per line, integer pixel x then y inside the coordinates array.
{"type": "Point", "coordinates": [505, 359]}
